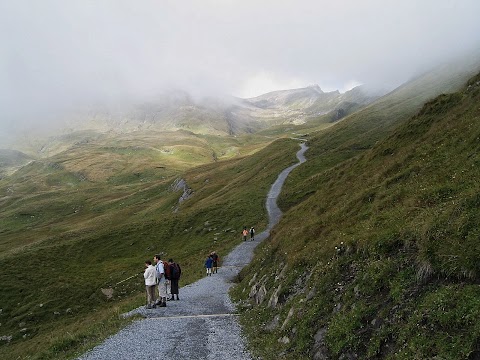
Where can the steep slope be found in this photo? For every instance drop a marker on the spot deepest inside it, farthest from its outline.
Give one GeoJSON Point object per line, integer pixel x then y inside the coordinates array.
{"type": "Point", "coordinates": [382, 260]}
{"type": "Point", "coordinates": [362, 129]}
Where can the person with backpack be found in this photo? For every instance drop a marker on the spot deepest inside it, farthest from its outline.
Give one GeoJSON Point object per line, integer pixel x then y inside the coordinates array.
{"type": "Point", "coordinates": [215, 259]}
{"type": "Point", "coordinates": [150, 277]}
{"type": "Point", "coordinates": [168, 279]}
{"type": "Point", "coordinates": [208, 265]}
{"type": "Point", "coordinates": [244, 233]}
{"type": "Point", "coordinates": [161, 282]}
{"type": "Point", "coordinates": [175, 273]}
{"type": "Point", "coordinates": [252, 233]}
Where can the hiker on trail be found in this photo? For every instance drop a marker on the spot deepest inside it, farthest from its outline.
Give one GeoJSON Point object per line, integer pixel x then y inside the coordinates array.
{"type": "Point", "coordinates": [175, 272]}
{"type": "Point", "coordinates": [208, 265]}
{"type": "Point", "coordinates": [215, 259]}
{"type": "Point", "coordinates": [168, 279]}
{"type": "Point", "coordinates": [252, 233]}
{"type": "Point", "coordinates": [245, 233]}
{"type": "Point", "coordinates": [150, 282]}
{"type": "Point", "coordinates": [161, 281]}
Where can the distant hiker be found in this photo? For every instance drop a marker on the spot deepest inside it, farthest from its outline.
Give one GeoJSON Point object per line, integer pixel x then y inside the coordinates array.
{"type": "Point", "coordinates": [161, 281]}
{"type": "Point", "coordinates": [252, 233]}
{"type": "Point", "coordinates": [208, 265]}
{"type": "Point", "coordinates": [215, 259]}
{"type": "Point", "coordinates": [150, 282]}
{"type": "Point", "coordinates": [245, 233]}
{"type": "Point", "coordinates": [175, 272]}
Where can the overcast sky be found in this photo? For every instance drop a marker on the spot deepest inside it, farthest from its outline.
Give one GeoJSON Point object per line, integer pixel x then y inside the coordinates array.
{"type": "Point", "coordinates": [57, 55]}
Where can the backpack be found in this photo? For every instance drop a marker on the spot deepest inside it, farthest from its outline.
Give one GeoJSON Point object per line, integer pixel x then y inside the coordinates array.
{"type": "Point", "coordinates": [166, 269]}
{"type": "Point", "coordinates": [175, 271]}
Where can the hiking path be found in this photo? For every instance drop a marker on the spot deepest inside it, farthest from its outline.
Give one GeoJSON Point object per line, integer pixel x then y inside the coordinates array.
{"type": "Point", "coordinates": [203, 323]}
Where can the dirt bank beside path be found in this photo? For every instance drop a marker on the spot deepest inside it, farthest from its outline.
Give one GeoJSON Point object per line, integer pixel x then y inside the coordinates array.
{"type": "Point", "coordinates": [203, 324]}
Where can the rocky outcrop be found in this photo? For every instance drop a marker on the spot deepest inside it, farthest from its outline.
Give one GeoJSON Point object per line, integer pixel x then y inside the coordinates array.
{"type": "Point", "coordinates": [178, 185]}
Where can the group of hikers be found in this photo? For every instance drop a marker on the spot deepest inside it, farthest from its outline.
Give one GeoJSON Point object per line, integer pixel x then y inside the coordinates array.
{"type": "Point", "coordinates": [245, 233]}
{"type": "Point", "coordinates": [211, 263]}
{"type": "Point", "coordinates": [161, 279]}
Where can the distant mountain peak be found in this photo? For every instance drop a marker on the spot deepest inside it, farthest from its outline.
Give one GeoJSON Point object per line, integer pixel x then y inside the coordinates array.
{"type": "Point", "coordinates": [316, 88]}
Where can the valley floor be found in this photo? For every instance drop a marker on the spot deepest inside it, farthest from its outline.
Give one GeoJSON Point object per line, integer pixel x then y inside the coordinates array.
{"type": "Point", "coordinates": [203, 323]}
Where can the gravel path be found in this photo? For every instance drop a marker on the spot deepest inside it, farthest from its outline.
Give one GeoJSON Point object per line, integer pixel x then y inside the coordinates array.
{"type": "Point", "coordinates": [203, 324]}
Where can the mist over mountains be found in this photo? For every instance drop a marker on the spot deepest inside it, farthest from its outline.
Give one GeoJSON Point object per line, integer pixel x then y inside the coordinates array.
{"type": "Point", "coordinates": [215, 115]}
{"type": "Point", "coordinates": [224, 116]}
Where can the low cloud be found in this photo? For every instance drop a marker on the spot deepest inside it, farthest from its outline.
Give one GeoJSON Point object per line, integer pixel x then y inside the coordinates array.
{"type": "Point", "coordinates": [57, 56]}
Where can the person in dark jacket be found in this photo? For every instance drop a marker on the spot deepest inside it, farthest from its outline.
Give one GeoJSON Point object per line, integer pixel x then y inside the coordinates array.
{"type": "Point", "coordinates": [215, 259]}
{"type": "Point", "coordinates": [175, 273]}
{"type": "Point", "coordinates": [209, 265]}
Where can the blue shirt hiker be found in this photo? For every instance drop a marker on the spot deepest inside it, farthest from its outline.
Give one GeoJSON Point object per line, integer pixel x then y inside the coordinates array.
{"type": "Point", "coordinates": [208, 265]}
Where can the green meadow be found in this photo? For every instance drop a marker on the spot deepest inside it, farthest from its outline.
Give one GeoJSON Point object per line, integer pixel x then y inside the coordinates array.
{"type": "Point", "coordinates": [87, 218]}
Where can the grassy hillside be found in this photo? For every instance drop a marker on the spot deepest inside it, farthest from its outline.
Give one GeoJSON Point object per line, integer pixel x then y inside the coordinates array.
{"type": "Point", "coordinates": [378, 256]}
{"type": "Point", "coordinates": [87, 218]}
{"type": "Point", "coordinates": [11, 160]}
{"type": "Point", "coordinates": [361, 130]}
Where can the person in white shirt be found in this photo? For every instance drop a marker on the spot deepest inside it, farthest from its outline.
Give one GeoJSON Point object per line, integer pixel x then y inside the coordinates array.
{"type": "Point", "coordinates": [161, 281]}
{"type": "Point", "coordinates": [150, 276]}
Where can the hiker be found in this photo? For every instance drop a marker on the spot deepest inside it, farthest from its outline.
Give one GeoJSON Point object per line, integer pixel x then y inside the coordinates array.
{"type": "Point", "coordinates": [215, 259]}
{"type": "Point", "coordinates": [161, 281]}
{"type": "Point", "coordinates": [168, 280]}
{"type": "Point", "coordinates": [175, 273]}
{"type": "Point", "coordinates": [208, 265]}
{"type": "Point", "coordinates": [252, 233]}
{"type": "Point", "coordinates": [150, 282]}
{"type": "Point", "coordinates": [245, 233]}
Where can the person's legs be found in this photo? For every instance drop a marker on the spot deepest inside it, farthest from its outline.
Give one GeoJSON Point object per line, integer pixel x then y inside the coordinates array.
{"type": "Point", "coordinates": [174, 283]}
{"type": "Point", "coordinates": [168, 284]}
{"type": "Point", "coordinates": [147, 301]}
{"type": "Point", "coordinates": [162, 294]}
{"type": "Point", "coordinates": [150, 296]}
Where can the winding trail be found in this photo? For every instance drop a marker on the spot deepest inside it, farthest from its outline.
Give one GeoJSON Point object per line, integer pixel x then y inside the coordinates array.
{"type": "Point", "coordinates": [203, 324]}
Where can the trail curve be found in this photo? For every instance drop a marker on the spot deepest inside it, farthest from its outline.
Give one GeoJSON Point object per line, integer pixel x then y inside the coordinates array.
{"type": "Point", "coordinates": [203, 324]}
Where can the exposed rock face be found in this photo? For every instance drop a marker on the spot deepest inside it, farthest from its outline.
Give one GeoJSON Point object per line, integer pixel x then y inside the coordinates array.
{"type": "Point", "coordinates": [258, 293]}
{"type": "Point", "coordinates": [289, 316]}
{"type": "Point", "coordinates": [320, 350]}
{"type": "Point", "coordinates": [107, 292]}
{"type": "Point", "coordinates": [274, 298]}
{"type": "Point", "coordinates": [272, 325]}
{"type": "Point", "coordinates": [181, 184]}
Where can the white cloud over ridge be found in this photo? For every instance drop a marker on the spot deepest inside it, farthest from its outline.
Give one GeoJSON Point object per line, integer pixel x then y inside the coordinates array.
{"type": "Point", "coordinates": [60, 55]}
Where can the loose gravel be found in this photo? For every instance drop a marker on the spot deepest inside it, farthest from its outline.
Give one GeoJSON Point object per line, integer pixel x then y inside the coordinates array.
{"type": "Point", "coordinates": [203, 323]}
